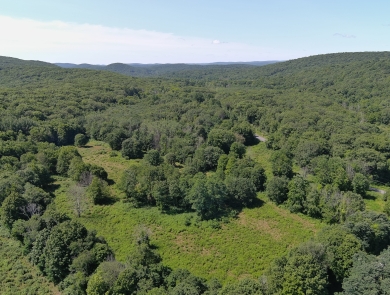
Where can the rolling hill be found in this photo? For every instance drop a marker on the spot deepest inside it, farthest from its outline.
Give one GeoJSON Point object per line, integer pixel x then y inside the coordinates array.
{"type": "Point", "coordinates": [7, 62]}
{"type": "Point", "coordinates": [172, 176]}
{"type": "Point", "coordinates": [163, 70]}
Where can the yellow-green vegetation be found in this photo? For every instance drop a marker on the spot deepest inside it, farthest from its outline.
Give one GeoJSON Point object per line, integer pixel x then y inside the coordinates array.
{"type": "Point", "coordinates": [262, 155]}
{"type": "Point", "coordinates": [99, 153]}
{"type": "Point", "coordinates": [17, 274]}
{"type": "Point", "coordinates": [375, 200]}
{"type": "Point", "coordinates": [327, 142]}
{"type": "Point", "coordinates": [242, 247]}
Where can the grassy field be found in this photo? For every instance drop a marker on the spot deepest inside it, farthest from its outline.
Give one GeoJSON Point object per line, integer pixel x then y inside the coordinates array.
{"type": "Point", "coordinates": [100, 153]}
{"type": "Point", "coordinates": [245, 246]}
{"type": "Point", "coordinates": [242, 247]}
{"type": "Point", "coordinates": [262, 155]}
{"type": "Point", "coordinates": [374, 201]}
{"type": "Point", "coordinates": [17, 275]}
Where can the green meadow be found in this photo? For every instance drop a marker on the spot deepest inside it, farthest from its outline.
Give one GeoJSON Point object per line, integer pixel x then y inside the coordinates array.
{"type": "Point", "coordinates": [229, 250]}
{"type": "Point", "coordinates": [17, 274]}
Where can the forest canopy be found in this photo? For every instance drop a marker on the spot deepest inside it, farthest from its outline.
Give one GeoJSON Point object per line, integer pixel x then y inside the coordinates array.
{"type": "Point", "coordinates": [325, 119]}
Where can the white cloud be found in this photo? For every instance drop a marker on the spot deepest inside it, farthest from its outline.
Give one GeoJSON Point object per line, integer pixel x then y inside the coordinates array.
{"type": "Point", "coordinates": [58, 41]}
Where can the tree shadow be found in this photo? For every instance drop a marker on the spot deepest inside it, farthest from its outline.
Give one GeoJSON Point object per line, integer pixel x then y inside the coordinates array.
{"type": "Point", "coordinates": [153, 246]}
{"type": "Point", "coordinates": [108, 201]}
{"type": "Point", "coordinates": [110, 181]}
{"type": "Point", "coordinates": [230, 210]}
{"type": "Point", "coordinates": [256, 203]}
{"type": "Point", "coordinates": [254, 141]}
{"type": "Point", "coordinates": [174, 211]}
{"type": "Point", "coordinates": [334, 286]}
{"type": "Point", "coordinates": [369, 197]}
{"type": "Point", "coordinates": [51, 188]}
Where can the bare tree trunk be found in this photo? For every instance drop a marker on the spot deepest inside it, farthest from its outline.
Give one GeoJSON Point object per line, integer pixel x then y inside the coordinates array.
{"type": "Point", "coordinates": [78, 199]}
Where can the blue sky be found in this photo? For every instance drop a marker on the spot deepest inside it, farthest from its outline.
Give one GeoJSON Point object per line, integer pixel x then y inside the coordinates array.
{"type": "Point", "coordinates": [170, 31]}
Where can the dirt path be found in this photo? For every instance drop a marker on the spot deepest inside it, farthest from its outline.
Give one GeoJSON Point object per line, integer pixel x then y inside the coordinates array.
{"type": "Point", "coordinates": [374, 189]}
{"type": "Point", "coordinates": [261, 138]}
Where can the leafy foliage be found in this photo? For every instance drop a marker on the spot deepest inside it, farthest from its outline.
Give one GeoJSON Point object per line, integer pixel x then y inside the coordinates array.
{"type": "Point", "coordinates": [369, 275]}
{"type": "Point", "coordinates": [326, 121]}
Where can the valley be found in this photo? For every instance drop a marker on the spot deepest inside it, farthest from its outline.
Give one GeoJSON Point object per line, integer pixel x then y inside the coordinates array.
{"type": "Point", "coordinates": [213, 179]}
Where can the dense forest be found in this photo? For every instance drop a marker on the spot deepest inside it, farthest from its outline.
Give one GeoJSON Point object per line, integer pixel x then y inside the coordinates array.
{"type": "Point", "coordinates": [167, 70]}
{"type": "Point", "coordinates": [188, 136]}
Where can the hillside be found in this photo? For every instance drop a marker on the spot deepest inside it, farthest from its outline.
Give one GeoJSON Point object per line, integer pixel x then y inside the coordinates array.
{"type": "Point", "coordinates": [324, 60]}
{"type": "Point", "coordinates": [8, 62]}
{"type": "Point", "coordinates": [168, 174]}
{"type": "Point", "coordinates": [17, 275]}
{"type": "Point", "coordinates": [298, 68]}
{"type": "Point", "coordinates": [165, 70]}
{"type": "Point", "coordinates": [243, 72]}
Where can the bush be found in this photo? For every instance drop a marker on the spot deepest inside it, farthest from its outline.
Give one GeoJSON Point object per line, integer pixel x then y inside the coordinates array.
{"type": "Point", "coordinates": [153, 157]}
{"type": "Point", "coordinates": [277, 189]}
{"type": "Point", "coordinates": [98, 191]}
{"type": "Point", "coordinates": [80, 140]}
{"type": "Point", "coordinates": [131, 149]}
{"type": "Point", "coordinates": [237, 149]}
{"type": "Point", "coordinates": [65, 156]}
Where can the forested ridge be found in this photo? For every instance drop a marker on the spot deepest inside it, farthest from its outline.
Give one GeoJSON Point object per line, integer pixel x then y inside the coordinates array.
{"type": "Point", "coordinates": [166, 70]}
{"type": "Point", "coordinates": [247, 72]}
{"type": "Point", "coordinates": [188, 143]}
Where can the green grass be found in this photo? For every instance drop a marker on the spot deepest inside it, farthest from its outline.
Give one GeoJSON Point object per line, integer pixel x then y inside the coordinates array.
{"type": "Point", "coordinates": [262, 155]}
{"type": "Point", "coordinates": [245, 246]}
{"type": "Point", "coordinates": [17, 274]}
{"type": "Point", "coordinates": [100, 153]}
{"type": "Point", "coordinates": [374, 201]}
{"type": "Point", "coordinates": [242, 247]}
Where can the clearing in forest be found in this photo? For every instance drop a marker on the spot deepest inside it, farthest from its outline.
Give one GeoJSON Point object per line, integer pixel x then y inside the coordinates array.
{"type": "Point", "coordinates": [245, 246]}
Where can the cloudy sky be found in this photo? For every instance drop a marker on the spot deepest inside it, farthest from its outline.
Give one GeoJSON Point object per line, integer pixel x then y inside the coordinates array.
{"type": "Point", "coordinates": [173, 31]}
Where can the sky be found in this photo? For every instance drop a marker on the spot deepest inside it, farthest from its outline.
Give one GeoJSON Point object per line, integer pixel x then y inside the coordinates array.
{"type": "Point", "coordinates": [184, 31]}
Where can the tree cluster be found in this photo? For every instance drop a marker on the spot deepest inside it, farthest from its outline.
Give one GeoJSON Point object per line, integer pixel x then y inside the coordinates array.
{"type": "Point", "coordinates": [232, 185]}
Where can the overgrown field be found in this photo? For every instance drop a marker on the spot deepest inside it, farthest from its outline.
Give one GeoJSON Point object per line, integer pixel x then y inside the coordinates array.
{"type": "Point", "coordinates": [242, 247]}
{"type": "Point", "coordinates": [190, 193]}
{"type": "Point", "coordinates": [17, 274]}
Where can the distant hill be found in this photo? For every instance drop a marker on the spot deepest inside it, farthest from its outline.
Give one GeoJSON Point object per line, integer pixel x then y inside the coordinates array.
{"type": "Point", "coordinates": [163, 70]}
{"type": "Point", "coordinates": [251, 63]}
{"type": "Point", "coordinates": [6, 62]}
{"type": "Point", "coordinates": [322, 61]}
{"type": "Point", "coordinates": [80, 66]}
{"type": "Point", "coordinates": [302, 66]}
{"type": "Point", "coordinates": [238, 71]}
